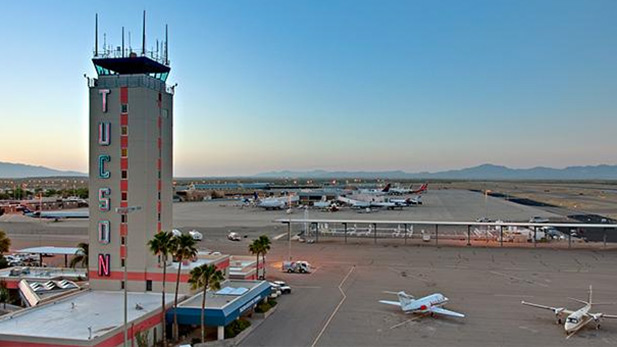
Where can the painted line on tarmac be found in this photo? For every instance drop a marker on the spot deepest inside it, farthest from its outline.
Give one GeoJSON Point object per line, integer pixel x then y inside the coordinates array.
{"type": "Point", "coordinates": [278, 237]}
{"type": "Point", "coordinates": [307, 287]}
{"type": "Point", "coordinates": [404, 322]}
{"type": "Point", "coordinates": [336, 308]}
{"type": "Point", "coordinates": [514, 295]}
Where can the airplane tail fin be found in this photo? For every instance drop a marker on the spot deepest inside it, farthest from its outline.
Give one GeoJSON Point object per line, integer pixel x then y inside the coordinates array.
{"type": "Point", "coordinates": [404, 298]}
{"type": "Point", "coordinates": [386, 188]}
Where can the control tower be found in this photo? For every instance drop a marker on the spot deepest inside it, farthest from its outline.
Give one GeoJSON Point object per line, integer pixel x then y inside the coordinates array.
{"type": "Point", "coordinates": [130, 165]}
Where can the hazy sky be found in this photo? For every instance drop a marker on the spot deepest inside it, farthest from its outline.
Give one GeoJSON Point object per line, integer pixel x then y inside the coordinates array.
{"type": "Point", "coordinates": [358, 85]}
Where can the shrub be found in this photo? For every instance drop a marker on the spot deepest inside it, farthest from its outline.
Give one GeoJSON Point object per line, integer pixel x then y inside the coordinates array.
{"type": "Point", "coordinates": [236, 327]}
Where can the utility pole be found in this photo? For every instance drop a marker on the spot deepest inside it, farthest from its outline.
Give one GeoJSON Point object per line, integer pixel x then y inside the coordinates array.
{"type": "Point", "coordinates": [124, 211]}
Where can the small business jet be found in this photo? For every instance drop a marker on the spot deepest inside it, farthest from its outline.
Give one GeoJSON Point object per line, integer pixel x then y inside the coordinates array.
{"type": "Point", "coordinates": [410, 190]}
{"type": "Point", "coordinates": [575, 320]}
{"type": "Point", "coordinates": [430, 304]}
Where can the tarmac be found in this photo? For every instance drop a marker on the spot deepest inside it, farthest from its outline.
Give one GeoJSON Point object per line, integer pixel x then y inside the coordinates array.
{"type": "Point", "coordinates": [337, 305]}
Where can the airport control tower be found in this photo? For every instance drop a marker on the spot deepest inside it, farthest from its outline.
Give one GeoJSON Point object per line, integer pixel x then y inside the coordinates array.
{"type": "Point", "coordinates": [131, 119]}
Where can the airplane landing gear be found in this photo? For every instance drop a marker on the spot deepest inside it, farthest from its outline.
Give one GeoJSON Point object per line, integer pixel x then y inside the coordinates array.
{"type": "Point", "coordinates": [558, 321]}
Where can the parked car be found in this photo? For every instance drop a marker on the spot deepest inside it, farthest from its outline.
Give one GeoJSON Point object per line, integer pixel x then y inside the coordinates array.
{"type": "Point", "coordinates": [285, 289]}
{"type": "Point", "coordinates": [196, 235]}
{"type": "Point", "coordinates": [275, 290]}
{"type": "Point", "coordinates": [232, 236]}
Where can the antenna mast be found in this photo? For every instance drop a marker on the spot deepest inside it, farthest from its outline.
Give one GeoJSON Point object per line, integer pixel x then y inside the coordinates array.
{"type": "Point", "coordinates": [166, 47]}
{"type": "Point", "coordinates": [143, 36]}
{"type": "Point", "coordinates": [122, 42]}
{"type": "Point", "coordinates": [96, 35]}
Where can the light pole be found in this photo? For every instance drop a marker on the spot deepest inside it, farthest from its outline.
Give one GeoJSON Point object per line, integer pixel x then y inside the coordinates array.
{"type": "Point", "coordinates": [124, 211]}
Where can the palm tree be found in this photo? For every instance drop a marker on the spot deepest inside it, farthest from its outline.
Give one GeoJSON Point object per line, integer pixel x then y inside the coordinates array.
{"type": "Point", "coordinates": [255, 249]}
{"type": "Point", "coordinates": [184, 249]}
{"type": "Point", "coordinates": [206, 277]}
{"type": "Point", "coordinates": [264, 243]}
{"type": "Point", "coordinates": [162, 245]}
{"type": "Point", "coordinates": [81, 256]}
{"type": "Point", "coordinates": [5, 242]}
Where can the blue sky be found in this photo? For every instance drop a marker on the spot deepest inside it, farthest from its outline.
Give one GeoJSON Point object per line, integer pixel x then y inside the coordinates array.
{"type": "Point", "coordinates": [357, 85]}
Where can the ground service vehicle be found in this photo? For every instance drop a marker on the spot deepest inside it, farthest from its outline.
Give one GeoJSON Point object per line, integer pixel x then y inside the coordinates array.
{"type": "Point", "coordinates": [296, 266]}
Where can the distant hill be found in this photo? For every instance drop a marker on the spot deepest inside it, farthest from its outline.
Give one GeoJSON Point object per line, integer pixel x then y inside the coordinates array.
{"type": "Point", "coordinates": [481, 172]}
{"type": "Point", "coordinates": [12, 170]}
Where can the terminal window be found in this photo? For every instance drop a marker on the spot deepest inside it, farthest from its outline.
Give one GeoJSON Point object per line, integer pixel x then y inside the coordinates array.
{"type": "Point", "coordinates": [124, 196]}
{"type": "Point", "coordinates": [123, 218]}
{"type": "Point", "coordinates": [125, 108]}
{"type": "Point", "coordinates": [123, 241]}
{"type": "Point", "coordinates": [148, 285]}
{"type": "Point", "coordinates": [122, 263]}
{"type": "Point", "coordinates": [124, 174]}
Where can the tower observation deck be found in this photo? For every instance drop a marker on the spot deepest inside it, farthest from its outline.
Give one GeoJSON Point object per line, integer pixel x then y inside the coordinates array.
{"type": "Point", "coordinates": [125, 61]}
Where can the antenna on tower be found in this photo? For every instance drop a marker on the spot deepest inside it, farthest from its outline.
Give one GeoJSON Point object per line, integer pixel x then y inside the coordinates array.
{"type": "Point", "coordinates": [166, 47]}
{"type": "Point", "coordinates": [130, 48]}
{"type": "Point", "coordinates": [96, 34]}
{"type": "Point", "coordinates": [143, 36]}
{"type": "Point", "coordinates": [104, 44]}
{"type": "Point", "coordinates": [122, 42]}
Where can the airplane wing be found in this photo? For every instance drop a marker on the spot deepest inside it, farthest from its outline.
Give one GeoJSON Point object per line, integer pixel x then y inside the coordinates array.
{"type": "Point", "coordinates": [554, 309]}
{"type": "Point", "coordinates": [395, 303]}
{"type": "Point", "coordinates": [443, 311]}
{"type": "Point", "coordinates": [609, 316]}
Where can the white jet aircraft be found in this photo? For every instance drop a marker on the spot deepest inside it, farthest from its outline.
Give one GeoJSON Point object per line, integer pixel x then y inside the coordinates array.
{"type": "Point", "coordinates": [279, 203]}
{"type": "Point", "coordinates": [429, 304]}
{"type": "Point", "coordinates": [383, 191]}
{"type": "Point", "coordinates": [575, 320]}
{"type": "Point", "coordinates": [410, 190]}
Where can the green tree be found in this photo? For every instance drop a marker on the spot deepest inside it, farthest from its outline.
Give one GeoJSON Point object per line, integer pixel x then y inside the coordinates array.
{"type": "Point", "coordinates": [5, 243]}
{"type": "Point", "coordinates": [264, 247]}
{"type": "Point", "coordinates": [4, 294]}
{"type": "Point", "coordinates": [162, 245]}
{"type": "Point", "coordinates": [255, 249]}
{"type": "Point", "coordinates": [81, 256]}
{"type": "Point", "coordinates": [205, 277]}
{"type": "Point", "coordinates": [184, 248]}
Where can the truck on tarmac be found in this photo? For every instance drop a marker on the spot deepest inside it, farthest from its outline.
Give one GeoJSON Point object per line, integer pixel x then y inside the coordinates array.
{"type": "Point", "coordinates": [296, 266]}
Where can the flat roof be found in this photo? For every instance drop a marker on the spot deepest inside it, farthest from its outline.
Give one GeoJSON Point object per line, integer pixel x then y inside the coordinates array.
{"type": "Point", "coordinates": [100, 310]}
{"type": "Point", "coordinates": [219, 301]}
{"type": "Point", "coordinates": [41, 273]}
{"type": "Point", "coordinates": [50, 250]}
{"type": "Point", "coordinates": [457, 223]}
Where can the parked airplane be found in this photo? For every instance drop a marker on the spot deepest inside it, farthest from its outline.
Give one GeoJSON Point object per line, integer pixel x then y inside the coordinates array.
{"type": "Point", "coordinates": [56, 214]}
{"type": "Point", "coordinates": [407, 202]}
{"type": "Point", "coordinates": [429, 304]}
{"type": "Point", "coordinates": [383, 191]}
{"type": "Point", "coordinates": [278, 203]}
{"type": "Point", "coordinates": [325, 204]}
{"type": "Point", "coordinates": [354, 203]}
{"type": "Point", "coordinates": [410, 190]}
{"type": "Point", "coordinates": [575, 320]}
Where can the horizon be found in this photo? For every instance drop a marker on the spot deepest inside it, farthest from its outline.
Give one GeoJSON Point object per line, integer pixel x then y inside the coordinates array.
{"type": "Point", "coordinates": [304, 86]}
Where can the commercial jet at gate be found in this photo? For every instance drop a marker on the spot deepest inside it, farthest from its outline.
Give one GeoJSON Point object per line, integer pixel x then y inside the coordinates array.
{"type": "Point", "coordinates": [383, 191]}
{"type": "Point", "coordinates": [575, 320]}
{"type": "Point", "coordinates": [279, 203]}
{"type": "Point", "coordinates": [402, 191]}
{"type": "Point", "coordinates": [430, 304]}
